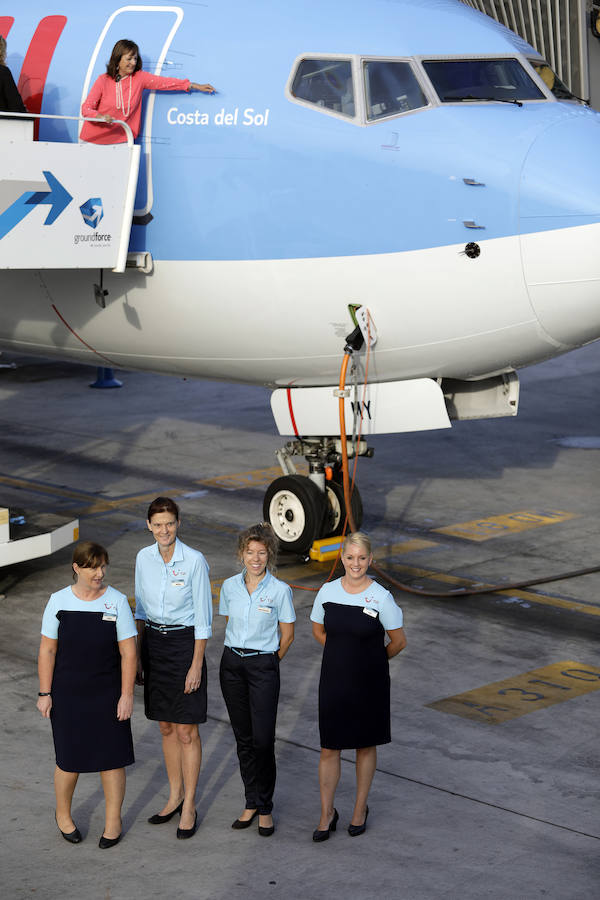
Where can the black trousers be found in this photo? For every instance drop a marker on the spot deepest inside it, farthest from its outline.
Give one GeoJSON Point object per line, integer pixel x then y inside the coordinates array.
{"type": "Point", "coordinates": [250, 687]}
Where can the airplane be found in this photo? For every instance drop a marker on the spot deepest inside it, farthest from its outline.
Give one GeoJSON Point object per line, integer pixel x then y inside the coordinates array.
{"type": "Point", "coordinates": [405, 186]}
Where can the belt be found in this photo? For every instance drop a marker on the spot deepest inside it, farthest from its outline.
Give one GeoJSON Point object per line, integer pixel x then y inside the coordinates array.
{"type": "Point", "coordinates": [165, 628]}
{"type": "Point", "coordinates": [241, 651]}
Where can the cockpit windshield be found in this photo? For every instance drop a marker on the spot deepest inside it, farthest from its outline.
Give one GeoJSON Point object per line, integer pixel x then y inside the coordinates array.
{"type": "Point", "coordinates": [391, 88]}
{"type": "Point", "coordinates": [552, 81]}
{"type": "Point", "coordinates": [457, 80]}
{"type": "Point", "coordinates": [327, 83]}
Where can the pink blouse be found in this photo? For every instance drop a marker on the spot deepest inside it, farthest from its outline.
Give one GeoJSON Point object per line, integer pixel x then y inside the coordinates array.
{"type": "Point", "coordinates": [122, 100]}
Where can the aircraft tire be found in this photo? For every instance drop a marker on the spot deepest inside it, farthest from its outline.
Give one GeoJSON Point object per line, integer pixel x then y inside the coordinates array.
{"type": "Point", "coordinates": [295, 508]}
{"type": "Point", "coordinates": [336, 508]}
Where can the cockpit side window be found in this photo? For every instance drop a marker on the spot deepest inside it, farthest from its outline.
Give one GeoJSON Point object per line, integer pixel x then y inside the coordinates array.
{"type": "Point", "coordinates": [456, 80]}
{"type": "Point", "coordinates": [327, 83]}
{"type": "Point", "coordinates": [552, 81]}
{"type": "Point", "coordinates": [391, 88]}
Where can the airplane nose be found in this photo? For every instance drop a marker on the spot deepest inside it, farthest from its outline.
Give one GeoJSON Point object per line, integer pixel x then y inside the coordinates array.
{"type": "Point", "coordinates": [559, 206]}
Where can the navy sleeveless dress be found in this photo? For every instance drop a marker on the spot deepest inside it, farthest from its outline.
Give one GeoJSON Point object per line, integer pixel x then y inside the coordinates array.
{"type": "Point", "coordinates": [354, 689]}
{"type": "Point", "coordinates": [86, 687]}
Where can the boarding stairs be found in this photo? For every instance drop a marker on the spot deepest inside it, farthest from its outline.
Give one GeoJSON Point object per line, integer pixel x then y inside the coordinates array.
{"type": "Point", "coordinates": [64, 205]}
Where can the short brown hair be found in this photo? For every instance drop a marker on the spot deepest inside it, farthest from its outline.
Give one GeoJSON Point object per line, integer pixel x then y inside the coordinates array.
{"type": "Point", "coordinates": [120, 49]}
{"type": "Point", "coordinates": [264, 534]}
{"type": "Point", "coordinates": [163, 504]}
{"type": "Point", "coordinates": [89, 555]}
{"type": "Point", "coordinates": [2, 50]}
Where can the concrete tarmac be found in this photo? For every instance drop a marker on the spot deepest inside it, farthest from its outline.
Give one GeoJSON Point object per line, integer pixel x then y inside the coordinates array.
{"type": "Point", "coordinates": [493, 795]}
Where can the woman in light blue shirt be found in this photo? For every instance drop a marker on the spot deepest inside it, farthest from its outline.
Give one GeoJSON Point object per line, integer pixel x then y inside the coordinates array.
{"type": "Point", "coordinates": [351, 617]}
{"type": "Point", "coordinates": [260, 630]}
{"type": "Point", "coordinates": [86, 666]}
{"type": "Point", "coordinates": [174, 619]}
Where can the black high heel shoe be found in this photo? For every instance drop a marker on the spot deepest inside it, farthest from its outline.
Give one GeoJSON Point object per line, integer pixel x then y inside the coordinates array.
{"type": "Point", "coordinates": [157, 819]}
{"type": "Point", "coordinates": [73, 837]}
{"type": "Point", "coordinates": [244, 823]}
{"type": "Point", "coordinates": [266, 830]}
{"type": "Point", "coordinates": [319, 836]}
{"type": "Point", "coordinates": [183, 833]}
{"type": "Point", "coordinates": [355, 830]}
{"type": "Point", "coordinates": [104, 843]}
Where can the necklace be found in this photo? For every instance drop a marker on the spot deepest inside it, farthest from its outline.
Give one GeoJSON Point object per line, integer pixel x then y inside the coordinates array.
{"type": "Point", "coordinates": [119, 95]}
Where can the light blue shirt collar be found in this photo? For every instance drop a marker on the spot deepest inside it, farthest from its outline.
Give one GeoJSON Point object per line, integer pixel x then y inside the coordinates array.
{"type": "Point", "coordinates": [262, 583]}
{"type": "Point", "coordinates": [177, 552]}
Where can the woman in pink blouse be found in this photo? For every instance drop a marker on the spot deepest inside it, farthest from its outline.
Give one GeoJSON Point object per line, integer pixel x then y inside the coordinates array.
{"type": "Point", "coordinates": [117, 96]}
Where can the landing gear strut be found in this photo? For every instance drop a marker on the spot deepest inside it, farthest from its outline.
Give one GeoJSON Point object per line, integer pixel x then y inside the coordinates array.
{"type": "Point", "coordinates": [303, 508]}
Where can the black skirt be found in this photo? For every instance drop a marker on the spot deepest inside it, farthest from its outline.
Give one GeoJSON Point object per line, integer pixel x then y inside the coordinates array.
{"type": "Point", "coordinates": [166, 658]}
{"type": "Point", "coordinates": [86, 687]}
{"type": "Point", "coordinates": [354, 689]}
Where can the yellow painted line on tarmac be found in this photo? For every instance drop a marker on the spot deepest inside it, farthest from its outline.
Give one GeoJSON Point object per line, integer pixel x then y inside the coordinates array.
{"type": "Point", "coordinates": [250, 479]}
{"type": "Point", "coordinates": [558, 602]}
{"type": "Point", "coordinates": [511, 698]}
{"type": "Point", "coordinates": [403, 547]}
{"type": "Point", "coordinates": [104, 505]}
{"type": "Point", "coordinates": [123, 502]}
{"type": "Point", "coordinates": [99, 505]}
{"type": "Point", "coordinates": [42, 488]}
{"type": "Point", "coordinates": [511, 523]}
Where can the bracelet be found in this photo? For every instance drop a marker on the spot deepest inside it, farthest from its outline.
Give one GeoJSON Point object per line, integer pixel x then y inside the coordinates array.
{"type": "Point", "coordinates": [44, 694]}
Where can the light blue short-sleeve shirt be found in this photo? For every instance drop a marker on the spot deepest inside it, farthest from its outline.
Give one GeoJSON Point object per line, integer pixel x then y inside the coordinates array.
{"type": "Point", "coordinates": [174, 593]}
{"type": "Point", "coordinates": [254, 618]}
{"type": "Point", "coordinates": [375, 598]}
{"type": "Point", "coordinates": [111, 603]}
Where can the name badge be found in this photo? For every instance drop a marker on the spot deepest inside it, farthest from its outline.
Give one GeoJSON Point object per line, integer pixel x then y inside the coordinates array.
{"type": "Point", "coordinates": [370, 612]}
{"type": "Point", "coordinates": [109, 617]}
{"type": "Point", "coordinates": [178, 583]}
{"type": "Point", "coordinates": [265, 609]}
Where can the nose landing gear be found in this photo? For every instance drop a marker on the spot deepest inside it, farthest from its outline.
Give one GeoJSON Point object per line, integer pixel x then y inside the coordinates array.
{"type": "Point", "coordinates": [296, 508]}
{"type": "Point", "coordinates": [302, 509]}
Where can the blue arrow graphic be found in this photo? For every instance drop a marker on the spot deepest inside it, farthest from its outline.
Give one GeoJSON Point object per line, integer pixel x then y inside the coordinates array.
{"type": "Point", "coordinates": [13, 215]}
{"type": "Point", "coordinates": [57, 198]}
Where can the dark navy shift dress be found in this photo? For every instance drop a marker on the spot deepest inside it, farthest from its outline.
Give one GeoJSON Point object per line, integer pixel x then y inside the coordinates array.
{"type": "Point", "coordinates": [354, 688]}
{"type": "Point", "coordinates": [86, 683]}
{"type": "Point", "coordinates": [85, 692]}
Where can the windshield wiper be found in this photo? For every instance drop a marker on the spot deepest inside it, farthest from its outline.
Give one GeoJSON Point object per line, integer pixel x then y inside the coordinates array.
{"type": "Point", "coordinates": [482, 99]}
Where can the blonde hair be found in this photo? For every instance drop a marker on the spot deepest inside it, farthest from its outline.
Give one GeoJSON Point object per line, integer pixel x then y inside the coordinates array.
{"type": "Point", "coordinates": [359, 539]}
{"type": "Point", "coordinates": [2, 50]}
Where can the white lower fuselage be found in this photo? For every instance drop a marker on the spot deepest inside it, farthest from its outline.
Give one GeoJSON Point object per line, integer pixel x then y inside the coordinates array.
{"type": "Point", "coordinates": [283, 322]}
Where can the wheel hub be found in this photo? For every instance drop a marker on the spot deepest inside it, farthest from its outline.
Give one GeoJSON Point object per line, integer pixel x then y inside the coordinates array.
{"type": "Point", "coordinates": [286, 515]}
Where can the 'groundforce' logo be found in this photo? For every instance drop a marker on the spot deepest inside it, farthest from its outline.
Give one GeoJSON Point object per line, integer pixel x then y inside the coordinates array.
{"type": "Point", "coordinates": [92, 211]}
